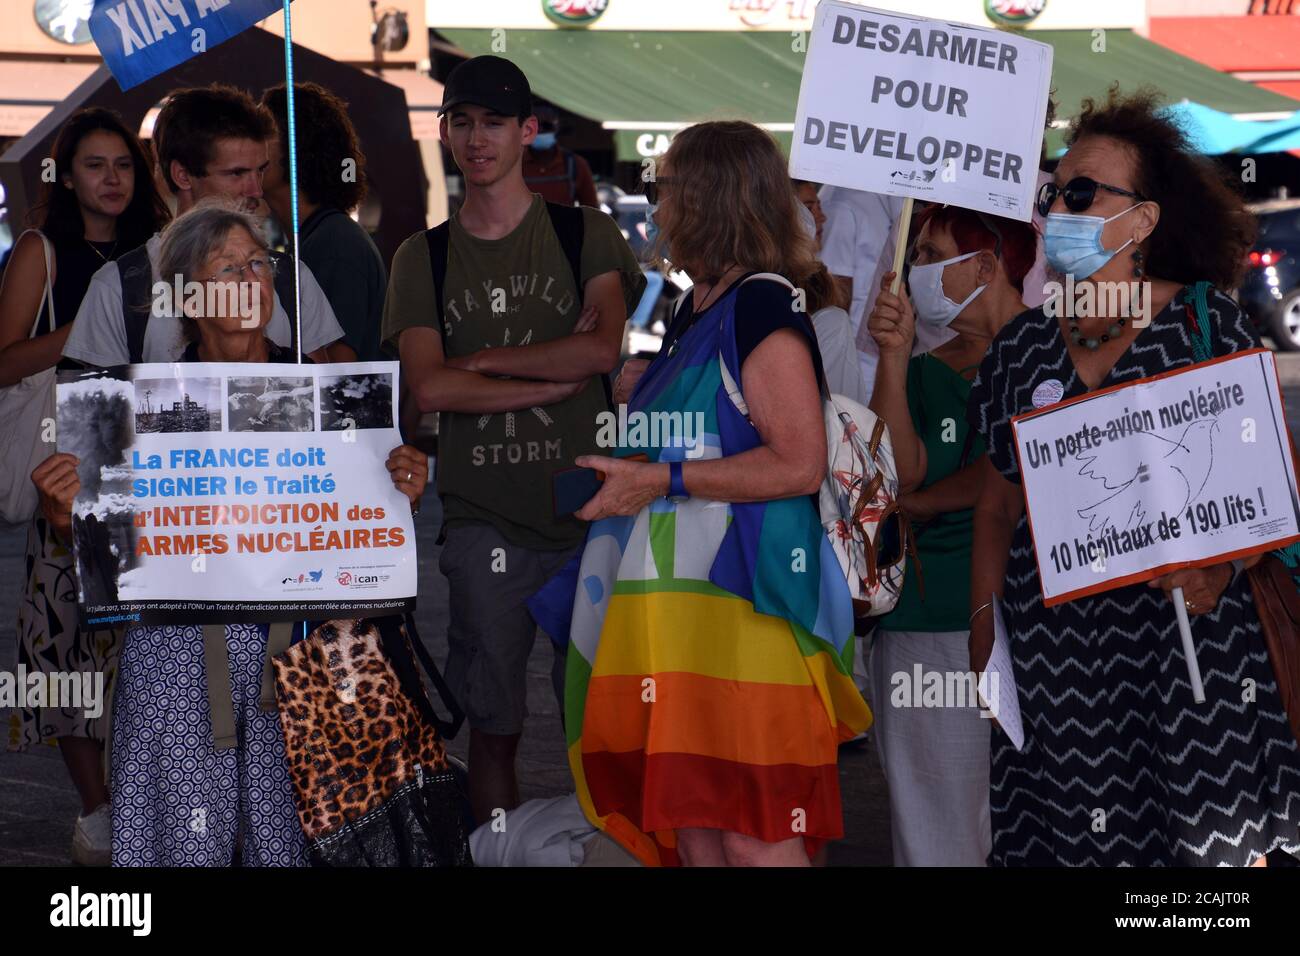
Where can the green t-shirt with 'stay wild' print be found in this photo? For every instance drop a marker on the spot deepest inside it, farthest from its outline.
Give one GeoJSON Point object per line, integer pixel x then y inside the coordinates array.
{"type": "Point", "coordinates": [517, 290]}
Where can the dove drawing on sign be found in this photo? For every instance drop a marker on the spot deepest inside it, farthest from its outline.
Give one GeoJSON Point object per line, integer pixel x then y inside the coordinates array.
{"type": "Point", "coordinates": [1145, 473]}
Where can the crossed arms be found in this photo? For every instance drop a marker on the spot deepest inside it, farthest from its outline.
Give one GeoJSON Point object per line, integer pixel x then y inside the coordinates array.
{"type": "Point", "coordinates": [539, 374]}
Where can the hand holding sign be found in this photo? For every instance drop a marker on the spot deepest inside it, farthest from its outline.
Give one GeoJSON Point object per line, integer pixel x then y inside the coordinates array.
{"type": "Point", "coordinates": [1161, 480]}
{"type": "Point", "coordinates": [1200, 588]}
{"type": "Point", "coordinates": [892, 322]}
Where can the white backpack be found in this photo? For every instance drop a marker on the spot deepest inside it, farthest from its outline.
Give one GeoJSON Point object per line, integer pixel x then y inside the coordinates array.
{"type": "Point", "coordinates": [858, 500]}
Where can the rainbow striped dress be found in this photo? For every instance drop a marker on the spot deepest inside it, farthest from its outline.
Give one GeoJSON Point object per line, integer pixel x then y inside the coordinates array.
{"type": "Point", "coordinates": [709, 674]}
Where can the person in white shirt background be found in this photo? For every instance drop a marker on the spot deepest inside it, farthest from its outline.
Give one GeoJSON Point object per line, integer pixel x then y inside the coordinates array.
{"type": "Point", "coordinates": [831, 323]}
{"type": "Point", "coordinates": [834, 333]}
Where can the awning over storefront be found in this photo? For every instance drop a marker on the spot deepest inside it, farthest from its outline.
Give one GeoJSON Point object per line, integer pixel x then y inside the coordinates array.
{"type": "Point", "coordinates": [31, 88]}
{"type": "Point", "coordinates": [1263, 50]}
{"type": "Point", "coordinates": [635, 83]}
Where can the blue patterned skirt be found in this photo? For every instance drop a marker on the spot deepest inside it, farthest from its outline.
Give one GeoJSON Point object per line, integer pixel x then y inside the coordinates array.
{"type": "Point", "coordinates": [176, 800]}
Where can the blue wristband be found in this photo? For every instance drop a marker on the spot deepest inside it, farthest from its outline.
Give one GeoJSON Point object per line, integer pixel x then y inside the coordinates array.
{"type": "Point", "coordinates": [676, 488]}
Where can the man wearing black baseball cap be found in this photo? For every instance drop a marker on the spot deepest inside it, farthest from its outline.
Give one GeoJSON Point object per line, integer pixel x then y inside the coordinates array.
{"type": "Point", "coordinates": [492, 82]}
{"type": "Point", "coordinates": [507, 318]}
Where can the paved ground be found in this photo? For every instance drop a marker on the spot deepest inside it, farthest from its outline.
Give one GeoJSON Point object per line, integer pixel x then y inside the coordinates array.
{"type": "Point", "coordinates": [38, 804]}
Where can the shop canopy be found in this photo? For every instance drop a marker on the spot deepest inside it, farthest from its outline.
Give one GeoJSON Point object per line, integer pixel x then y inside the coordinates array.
{"type": "Point", "coordinates": [643, 86]}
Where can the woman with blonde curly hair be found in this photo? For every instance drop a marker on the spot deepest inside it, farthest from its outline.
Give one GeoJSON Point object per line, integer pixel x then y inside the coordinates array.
{"type": "Point", "coordinates": [709, 676]}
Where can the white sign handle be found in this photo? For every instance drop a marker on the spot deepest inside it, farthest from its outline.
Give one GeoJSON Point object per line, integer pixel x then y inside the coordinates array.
{"type": "Point", "coordinates": [900, 244]}
{"type": "Point", "coordinates": [1185, 632]}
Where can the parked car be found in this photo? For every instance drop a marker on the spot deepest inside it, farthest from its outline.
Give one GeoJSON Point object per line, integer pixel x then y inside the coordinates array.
{"type": "Point", "coordinates": [1270, 291]}
{"type": "Point", "coordinates": [646, 326]}
{"type": "Point", "coordinates": [628, 210]}
{"type": "Point", "coordinates": [6, 234]}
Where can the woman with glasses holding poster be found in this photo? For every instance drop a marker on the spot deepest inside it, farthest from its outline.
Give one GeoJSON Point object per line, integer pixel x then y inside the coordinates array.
{"type": "Point", "coordinates": [181, 796]}
{"type": "Point", "coordinates": [102, 204]}
{"type": "Point", "coordinates": [967, 275]}
{"type": "Point", "coordinates": [1119, 765]}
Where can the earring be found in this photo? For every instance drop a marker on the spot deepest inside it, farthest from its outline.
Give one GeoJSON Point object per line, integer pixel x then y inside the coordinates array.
{"type": "Point", "coordinates": [1137, 263]}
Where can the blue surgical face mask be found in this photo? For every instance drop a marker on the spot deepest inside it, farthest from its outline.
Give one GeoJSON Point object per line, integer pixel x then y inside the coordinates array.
{"type": "Point", "coordinates": [926, 285]}
{"type": "Point", "coordinates": [651, 227]}
{"type": "Point", "coordinates": [543, 141]}
{"type": "Point", "coordinates": [1072, 242]}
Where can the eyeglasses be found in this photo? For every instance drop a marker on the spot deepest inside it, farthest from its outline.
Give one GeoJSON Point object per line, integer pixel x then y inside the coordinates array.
{"type": "Point", "coordinates": [651, 187]}
{"type": "Point", "coordinates": [1078, 193]}
{"type": "Point", "coordinates": [258, 266]}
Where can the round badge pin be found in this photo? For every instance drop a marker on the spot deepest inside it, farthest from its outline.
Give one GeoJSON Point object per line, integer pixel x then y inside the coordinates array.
{"type": "Point", "coordinates": [1048, 393]}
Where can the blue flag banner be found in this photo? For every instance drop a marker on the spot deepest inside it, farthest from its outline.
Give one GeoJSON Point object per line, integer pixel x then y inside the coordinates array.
{"type": "Point", "coordinates": [141, 38]}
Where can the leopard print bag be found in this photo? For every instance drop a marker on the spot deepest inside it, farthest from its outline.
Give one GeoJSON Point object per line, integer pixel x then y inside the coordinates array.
{"type": "Point", "coordinates": [372, 780]}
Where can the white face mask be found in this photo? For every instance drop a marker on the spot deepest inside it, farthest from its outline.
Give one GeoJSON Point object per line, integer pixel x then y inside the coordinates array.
{"type": "Point", "coordinates": [926, 285]}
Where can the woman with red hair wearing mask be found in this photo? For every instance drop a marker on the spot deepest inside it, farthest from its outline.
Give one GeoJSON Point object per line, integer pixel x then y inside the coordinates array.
{"type": "Point", "coordinates": [967, 274]}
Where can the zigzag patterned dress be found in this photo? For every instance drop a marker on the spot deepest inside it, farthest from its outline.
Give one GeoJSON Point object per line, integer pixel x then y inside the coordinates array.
{"type": "Point", "coordinates": [1120, 766]}
{"type": "Point", "coordinates": [709, 676]}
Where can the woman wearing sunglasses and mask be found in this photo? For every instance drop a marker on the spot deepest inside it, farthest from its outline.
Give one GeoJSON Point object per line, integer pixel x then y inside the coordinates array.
{"type": "Point", "coordinates": [967, 274]}
{"type": "Point", "coordinates": [1110, 723]}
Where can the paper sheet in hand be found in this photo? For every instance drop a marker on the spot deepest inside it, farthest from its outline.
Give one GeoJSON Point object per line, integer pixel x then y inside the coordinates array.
{"type": "Point", "coordinates": [999, 676]}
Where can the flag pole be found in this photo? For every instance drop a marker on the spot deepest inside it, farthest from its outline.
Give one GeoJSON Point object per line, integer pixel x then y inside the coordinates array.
{"type": "Point", "coordinates": [293, 190]}
{"type": "Point", "coordinates": [293, 176]}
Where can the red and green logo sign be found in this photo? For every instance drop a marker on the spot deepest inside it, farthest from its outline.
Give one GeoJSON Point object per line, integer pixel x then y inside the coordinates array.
{"type": "Point", "coordinates": [1015, 13]}
{"type": "Point", "coordinates": [574, 13]}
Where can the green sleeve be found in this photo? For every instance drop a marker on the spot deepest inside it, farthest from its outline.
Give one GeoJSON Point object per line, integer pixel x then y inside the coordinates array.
{"type": "Point", "coordinates": [915, 404]}
{"type": "Point", "coordinates": [605, 250]}
{"type": "Point", "coordinates": [409, 302]}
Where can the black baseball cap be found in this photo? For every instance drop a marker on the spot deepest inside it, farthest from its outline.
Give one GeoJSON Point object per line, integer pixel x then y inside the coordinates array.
{"type": "Point", "coordinates": [489, 81]}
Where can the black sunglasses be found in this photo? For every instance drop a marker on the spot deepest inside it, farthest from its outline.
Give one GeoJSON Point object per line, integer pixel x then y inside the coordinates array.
{"type": "Point", "coordinates": [651, 187]}
{"type": "Point", "coordinates": [1078, 193]}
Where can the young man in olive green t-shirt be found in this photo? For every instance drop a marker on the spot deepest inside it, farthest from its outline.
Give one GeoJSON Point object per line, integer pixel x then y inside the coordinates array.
{"type": "Point", "coordinates": [515, 372]}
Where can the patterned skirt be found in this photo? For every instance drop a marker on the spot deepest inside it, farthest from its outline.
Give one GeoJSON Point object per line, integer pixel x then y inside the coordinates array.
{"type": "Point", "coordinates": [176, 800]}
{"type": "Point", "coordinates": [1120, 766]}
{"type": "Point", "coordinates": [50, 641]}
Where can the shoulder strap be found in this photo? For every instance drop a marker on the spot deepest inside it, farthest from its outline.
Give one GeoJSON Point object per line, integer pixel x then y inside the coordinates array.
{"type": "Point", "coordinates": [135, 272]}
{"type": "Point", "coordinates": [571, 174]}
{"type": "Point", "coordinates": [567, 221]}
{"type": "Point", "coordinates": [279, 635]}
{"type": "Point", "coordinates": [439, 239]}
{"type": "Point", "coordinates": [49, 284]}
{"type": "Point", "coordinates": [1196, 299]}
{"type": "Point", "coordinates": [769, 276]}
{"type": "Point", "coordinates": [569, 227]}
{"type": "Point", "coordinates": [395, 645]}
{"type": "Point", "coordinates": [728, 380]}
{"type": "Point", "coordinates": [284, 291]}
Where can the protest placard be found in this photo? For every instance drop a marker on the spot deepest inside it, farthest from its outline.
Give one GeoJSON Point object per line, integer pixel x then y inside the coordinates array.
{"type": "Point", "coordinates": [141, 40]}
{"type": "Point", "coordinates": [1188, 468]}
{"type": "Point", "coordinates": [909, 106]}
{"type": "Point", "coordinates": [221, 493]}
